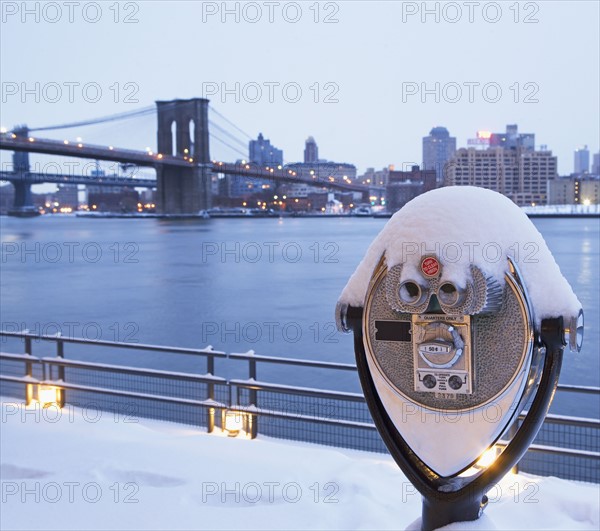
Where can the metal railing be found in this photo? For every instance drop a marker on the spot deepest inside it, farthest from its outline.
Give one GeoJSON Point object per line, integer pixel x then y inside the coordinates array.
{"type": "Point", "coordinates": [566, 446]}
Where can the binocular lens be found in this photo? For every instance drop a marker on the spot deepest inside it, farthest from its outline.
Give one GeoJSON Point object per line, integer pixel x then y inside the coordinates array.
{"type": "Point", "coordinates": [449, 295]}
{"type": "Point", "coordinates": [410, 292]}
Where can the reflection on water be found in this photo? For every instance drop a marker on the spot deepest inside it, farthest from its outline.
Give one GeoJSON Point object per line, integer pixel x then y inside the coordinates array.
{"type": "Point", "coordinates": [264, 284]}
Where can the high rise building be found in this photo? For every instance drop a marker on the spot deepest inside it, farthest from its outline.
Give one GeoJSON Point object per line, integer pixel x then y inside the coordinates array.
{"type": "Point", "coordinates": [403, 186]}
{"type": "Point", "coordinates": [438, 148]}
{"type": "Point", "coordinates": [512, 139]}
{"type": "Point", "coordinates": [263, 153]}
{"type": "Point", "coordinates": [311, 151]}
{"type": "Point", "coordinates": [321, 170]}
{"type": "Point", "coordinates": [581, 160]}
{"type": "Point", "coordinates": [519, 173]}
{"type": "Point", "coordinates": [596, 164]}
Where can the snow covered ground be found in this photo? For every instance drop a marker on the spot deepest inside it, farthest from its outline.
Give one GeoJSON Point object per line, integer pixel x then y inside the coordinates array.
{"type": "Point", "coordinates": [86, 469]}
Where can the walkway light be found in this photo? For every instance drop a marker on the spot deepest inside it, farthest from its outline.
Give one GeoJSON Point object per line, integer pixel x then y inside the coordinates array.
{"type": "Point", "coordinates": [48, 395]}
{"type": "Point", "coordinates": [234, 422]}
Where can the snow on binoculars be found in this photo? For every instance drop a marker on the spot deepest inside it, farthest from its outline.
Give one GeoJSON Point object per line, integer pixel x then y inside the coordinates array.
{"type": "Point", "coordinates": [460, 316]}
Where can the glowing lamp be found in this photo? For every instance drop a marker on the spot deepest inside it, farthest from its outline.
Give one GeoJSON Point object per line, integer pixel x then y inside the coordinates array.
{"type": "Point", "coordinates": [48, 395]}
{"type": "Point", "coordinates": [234, 423]}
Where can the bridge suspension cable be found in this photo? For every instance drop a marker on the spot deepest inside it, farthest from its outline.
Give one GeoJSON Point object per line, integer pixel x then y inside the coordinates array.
{"type": "Point", "coordinates": [229, 122]}
{"type": "Point", "coordinates": [228, 134]}
{"type": "Point", "coordinates": [237, 150]}
{"type": "Point", "coordinates": [110, 118]}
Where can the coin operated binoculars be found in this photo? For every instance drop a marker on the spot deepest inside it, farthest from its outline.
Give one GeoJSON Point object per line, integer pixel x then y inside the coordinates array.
{"type": "Point", "coordinates": [450, 348]}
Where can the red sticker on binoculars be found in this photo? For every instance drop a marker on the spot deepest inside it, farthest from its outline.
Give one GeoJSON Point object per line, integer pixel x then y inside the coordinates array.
{"type": "Point", "coordinates": [430, 266]}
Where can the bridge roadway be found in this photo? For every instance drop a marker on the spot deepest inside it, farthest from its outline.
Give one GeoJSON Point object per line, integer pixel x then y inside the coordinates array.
{"type": "Point", "coordinates": [13, 142]}
{"type": "Point", "coordinates": [91, 180]}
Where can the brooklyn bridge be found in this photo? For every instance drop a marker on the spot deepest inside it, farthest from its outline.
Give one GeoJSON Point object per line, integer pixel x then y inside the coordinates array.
{"type": "Point", "coordinates": [182, 161]}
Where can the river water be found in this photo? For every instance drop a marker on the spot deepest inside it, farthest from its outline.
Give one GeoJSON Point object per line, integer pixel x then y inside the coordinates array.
{"type": "Point", "coordinates": [238, 284]}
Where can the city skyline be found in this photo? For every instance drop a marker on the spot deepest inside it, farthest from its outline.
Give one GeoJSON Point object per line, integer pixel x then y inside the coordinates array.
{"type": "Point", "coordinates": [362, 99]}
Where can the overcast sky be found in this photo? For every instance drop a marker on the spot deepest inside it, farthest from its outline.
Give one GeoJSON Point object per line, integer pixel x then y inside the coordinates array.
{"type": "Point", "coordinates": [532, 63]}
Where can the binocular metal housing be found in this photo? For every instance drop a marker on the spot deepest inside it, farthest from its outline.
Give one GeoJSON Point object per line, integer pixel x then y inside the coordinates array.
{"type": "Point", "coordinates": [446, 371]}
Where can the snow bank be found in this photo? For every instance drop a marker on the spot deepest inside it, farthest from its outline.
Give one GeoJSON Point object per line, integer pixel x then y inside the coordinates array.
{"type": "Point", "coordinates": [466, 225]}
{"type": "Point", "coordinates": [85, 469]}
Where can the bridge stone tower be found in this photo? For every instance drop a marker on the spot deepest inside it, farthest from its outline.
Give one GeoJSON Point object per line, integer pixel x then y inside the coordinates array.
{"type": "Point", "coordinates": [183, 131]}
{"type": "Point", "coordinates": [23, 203]}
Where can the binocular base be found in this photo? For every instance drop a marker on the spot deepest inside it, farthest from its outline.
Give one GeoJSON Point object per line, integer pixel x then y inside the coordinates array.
{"type": "Point", "coordinates": [438, 513]}
{"type": "Point", "coordinates": [446, 500]}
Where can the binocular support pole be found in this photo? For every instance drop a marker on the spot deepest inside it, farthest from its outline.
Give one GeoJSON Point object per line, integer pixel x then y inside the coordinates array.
{"type": "Point", "coordinates": [455, 499]}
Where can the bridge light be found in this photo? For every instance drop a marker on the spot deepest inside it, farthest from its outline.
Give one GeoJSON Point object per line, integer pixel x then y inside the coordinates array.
{"type": "Point", "coordinates": [247, 166]}
{"type": "Point", "coordinates": [275, 197]}
{"type": "Point", "coordinates": [285, 196]}
{"type": "Point", "coordinates": [243, 162]}
{"type": "Point", "coordinates": [65, 142]}
{"type": "Point", "coordinates": [186, 150]}
{"type": "Point", "coordinates": [312, 172]}
{"type": "Point", "coordinates": [191, 159]}
{"type": "Point", "coordinates": [279, 167]}
{"type": "Point", "coordinates": [80, 145]}
{"type": "Point", "coordinates": [31, 139]}
{"type": "Point", "coordinates": [159, 156]}
{"type": "Point", "coordinates": [13, 135]}
{"type": "Point", "coordinates": [271, 170]}
{"type": "Point", "coordinates": [111, 148]}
